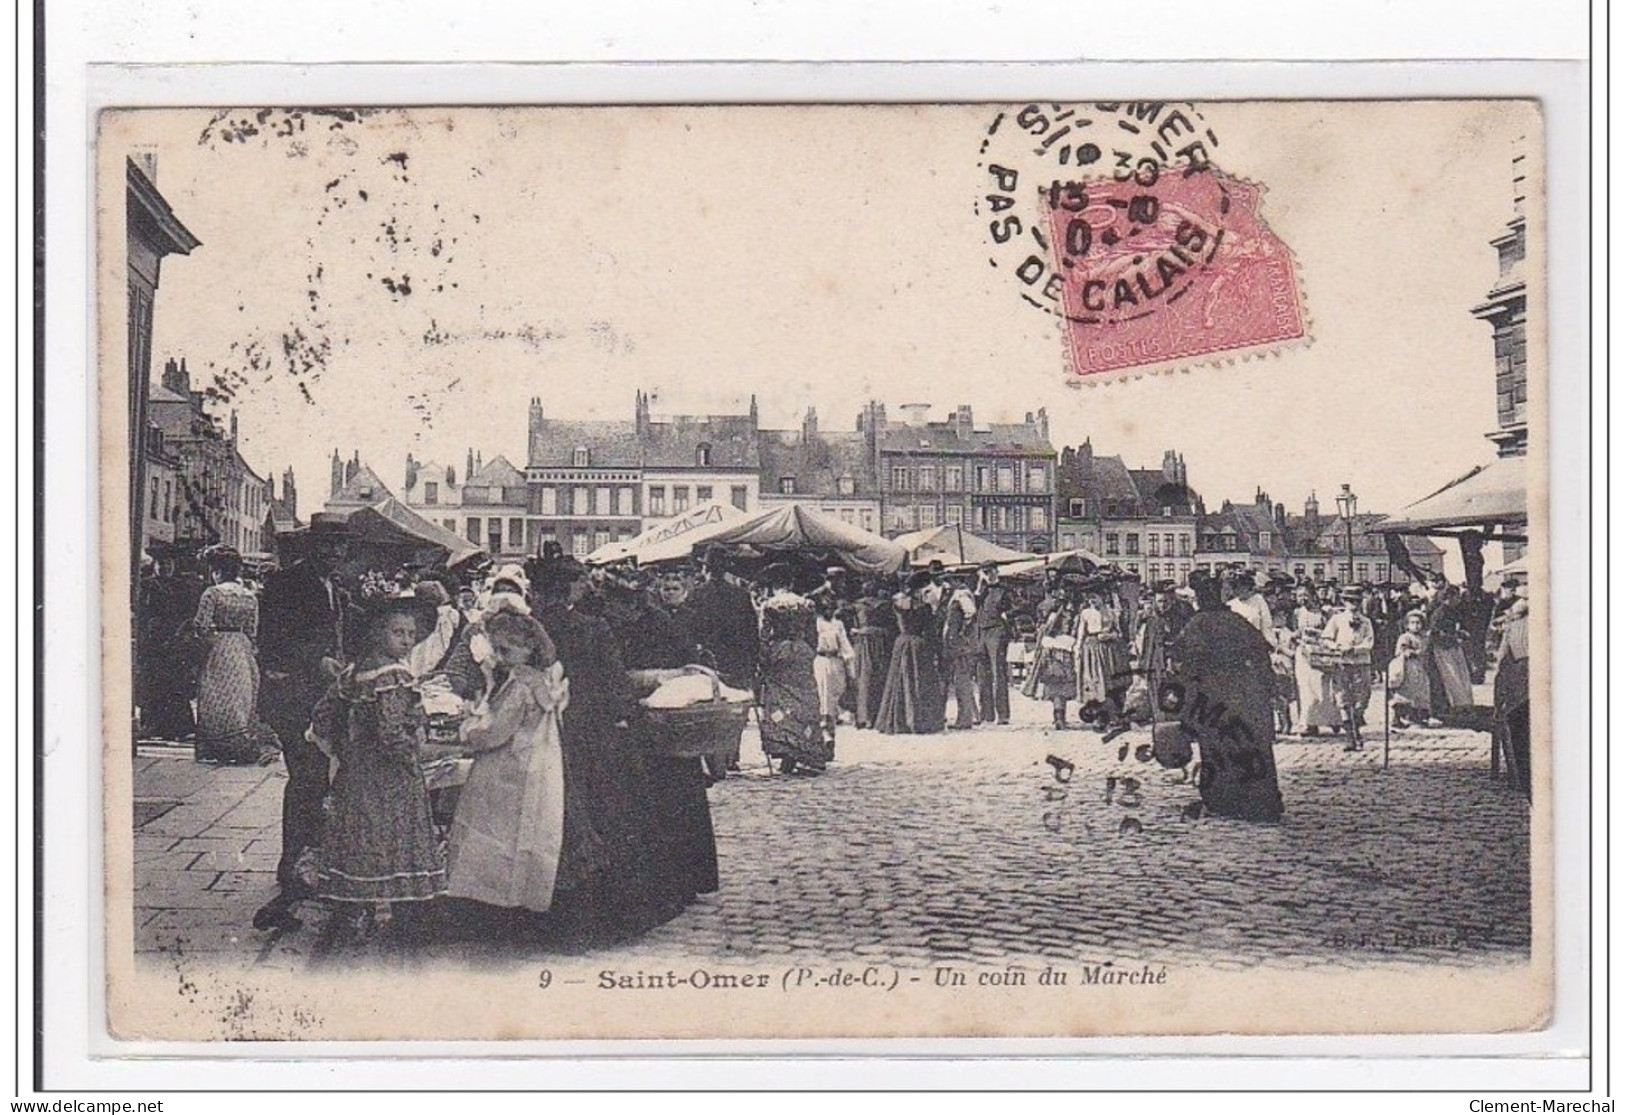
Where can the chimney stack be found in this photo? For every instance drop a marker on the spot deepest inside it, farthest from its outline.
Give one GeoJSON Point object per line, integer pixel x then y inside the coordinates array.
{"type": "Point", "coordinates": [809, 426]}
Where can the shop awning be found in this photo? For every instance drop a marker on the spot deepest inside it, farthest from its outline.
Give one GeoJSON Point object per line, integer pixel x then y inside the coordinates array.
{"type": "Point", "coordinates": [1491, 500]}
{"type": "Point", "coordinates": [954, 545]}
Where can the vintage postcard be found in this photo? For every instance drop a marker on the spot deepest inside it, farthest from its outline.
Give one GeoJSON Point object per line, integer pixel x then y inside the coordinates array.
{"type": "Point", "coordinates": [825, 571]}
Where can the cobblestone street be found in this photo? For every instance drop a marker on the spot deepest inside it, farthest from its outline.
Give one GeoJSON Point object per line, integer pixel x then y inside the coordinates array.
{"type": "Point", "coordinates": [968, 847]}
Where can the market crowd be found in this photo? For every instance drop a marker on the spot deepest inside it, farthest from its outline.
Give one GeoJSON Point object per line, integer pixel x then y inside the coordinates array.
{"type": "Point", "coordinates": [523, 752]}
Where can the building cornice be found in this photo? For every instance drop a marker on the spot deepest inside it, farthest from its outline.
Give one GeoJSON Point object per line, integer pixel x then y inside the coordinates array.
{"type": "Point", "coordinates": [148, 206]}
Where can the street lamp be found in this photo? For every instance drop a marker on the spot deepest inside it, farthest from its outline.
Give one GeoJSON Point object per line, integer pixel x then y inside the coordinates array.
{"type": "Point", "coordinates": [1347, 504]}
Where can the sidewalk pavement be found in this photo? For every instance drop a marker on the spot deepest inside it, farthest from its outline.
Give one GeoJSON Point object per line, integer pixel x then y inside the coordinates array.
{"type": "Point", "coordinates": [965, 845]}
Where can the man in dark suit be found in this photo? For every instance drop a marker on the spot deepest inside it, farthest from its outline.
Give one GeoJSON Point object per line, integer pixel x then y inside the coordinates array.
{"type": "Point", "coordinates": [302, 623]}
{"type": "Point", "coordinates": [993, 645]}
{"type": "Point", "coordinates": [723, 624]}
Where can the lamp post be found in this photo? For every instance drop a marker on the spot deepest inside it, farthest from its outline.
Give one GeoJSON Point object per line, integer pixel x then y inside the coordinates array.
{"type": "Point", "coordinates": [1347, 504]}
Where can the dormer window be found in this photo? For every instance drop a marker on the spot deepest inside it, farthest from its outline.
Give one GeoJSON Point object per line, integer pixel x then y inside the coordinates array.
{"type": "Point", "coordinates": [581, 456]}
{"type": "Point", "coordinates": [787, 485]}
{"type": "Point", "coordinates": [702, 455]}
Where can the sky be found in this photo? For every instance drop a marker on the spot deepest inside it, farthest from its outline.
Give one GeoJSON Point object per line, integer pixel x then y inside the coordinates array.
{"type": "Point", "coordinates": [406, 281]}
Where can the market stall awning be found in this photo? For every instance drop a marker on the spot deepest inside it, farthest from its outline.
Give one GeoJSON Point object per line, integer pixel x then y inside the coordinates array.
{"type": "Point", "coordinates": [952, 544]}
{"type": "Point", "coordinates": [389, 523]}
{"type": "Point", "coordinates": [1492, 498]}
{"type": "Point", "coordinates": [796, 526]}
{"type": "Point", "coordinates": [671, 538]}
{"type": "Point", "coordinates": [1068, 561]}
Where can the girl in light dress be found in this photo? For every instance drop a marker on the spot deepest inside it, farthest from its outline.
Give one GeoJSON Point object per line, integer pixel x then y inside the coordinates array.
{"type": "Point", "coordinates": [1410, 692]}
{"type": "Point", "coordinates": [508, 833]}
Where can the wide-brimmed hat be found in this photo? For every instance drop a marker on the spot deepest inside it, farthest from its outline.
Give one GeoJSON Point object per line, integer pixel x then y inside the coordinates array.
{"type": "Point", "coordinates": [919, 579]}
{"type": "Point", "coordinates": [1352, 592]}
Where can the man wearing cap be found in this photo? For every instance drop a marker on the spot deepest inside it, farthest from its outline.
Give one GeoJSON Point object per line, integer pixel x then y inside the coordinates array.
{"type": "Point", "coordinates": [724, 626]}
{"type": "Point", "coordinates": [1350, 633]}
{"type": "Point", "coordinates": [302, 625]}
{"type": "Point", "coordinates": [993, 646]}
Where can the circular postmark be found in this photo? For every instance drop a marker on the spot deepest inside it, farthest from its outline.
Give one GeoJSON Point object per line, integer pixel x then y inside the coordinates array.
{"type": "Point", "coordinates": [1116, 219]}
{"type": "Point", "coordinates": [1100, 165]}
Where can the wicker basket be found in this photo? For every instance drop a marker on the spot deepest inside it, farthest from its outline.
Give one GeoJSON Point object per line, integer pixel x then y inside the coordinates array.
{"type": "Point", "coordinates": [1329, 660]}
{"type": "Point", "coordinates": [695, 731]}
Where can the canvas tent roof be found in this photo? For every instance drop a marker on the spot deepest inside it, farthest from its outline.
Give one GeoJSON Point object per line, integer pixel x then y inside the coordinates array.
{"type": "Point", "coordinates": [954, 545]}
{"type": "Point", "coordinates": [389, 522]}
{"type": "Point", "coordinates": [1037, 563]}
{"type": "Point", "coordinates": [796, 526]}
{"type": "Point", "coordinates": [1492, 495]}
{"type": "Point", "coordinates": [671, 539]}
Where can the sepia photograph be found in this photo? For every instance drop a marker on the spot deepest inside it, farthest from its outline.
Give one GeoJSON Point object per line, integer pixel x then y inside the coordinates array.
{"type": "Point", "coordinates": [824, 571]}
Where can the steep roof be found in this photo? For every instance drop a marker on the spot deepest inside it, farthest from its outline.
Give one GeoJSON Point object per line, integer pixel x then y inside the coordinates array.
{"type": "Point", "coordinates": [945, 437]}
{"type": "Point", "coordinates": [609, 444]}
{"type": "Point", "coordinates": [1155, 487]}
{"type": "Point", "coordinates": [363, 487]}
{"type": "Point", "coordinates": [497, 473]}
{"type": "Point", "coordinates": [817, 463]}
{"type": "Point", "coordinates": [1109, 478]}
{"type": "Point", "coordinates": [676, 442]}
{"type": "Point", "coordinates": [1249, 521]}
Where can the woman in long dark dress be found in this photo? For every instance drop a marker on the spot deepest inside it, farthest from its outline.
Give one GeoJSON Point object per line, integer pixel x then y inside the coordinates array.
{"type": "Point", "coordinates": [873, 629]}
{"type": "Point", "coordinates": [912, 702]}
{"type": "Point", "coordinates": [680, 861]}
{"type": "Point", "coordinates": [1226, 694]}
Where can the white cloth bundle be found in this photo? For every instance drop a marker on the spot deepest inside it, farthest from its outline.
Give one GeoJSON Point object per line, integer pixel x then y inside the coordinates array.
{"type": "Point", "coordinates": [694, 689]}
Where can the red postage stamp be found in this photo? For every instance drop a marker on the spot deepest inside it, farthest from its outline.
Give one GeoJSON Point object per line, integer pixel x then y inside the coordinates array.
{"type": "Point", "coordinates": [1179, 269]}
